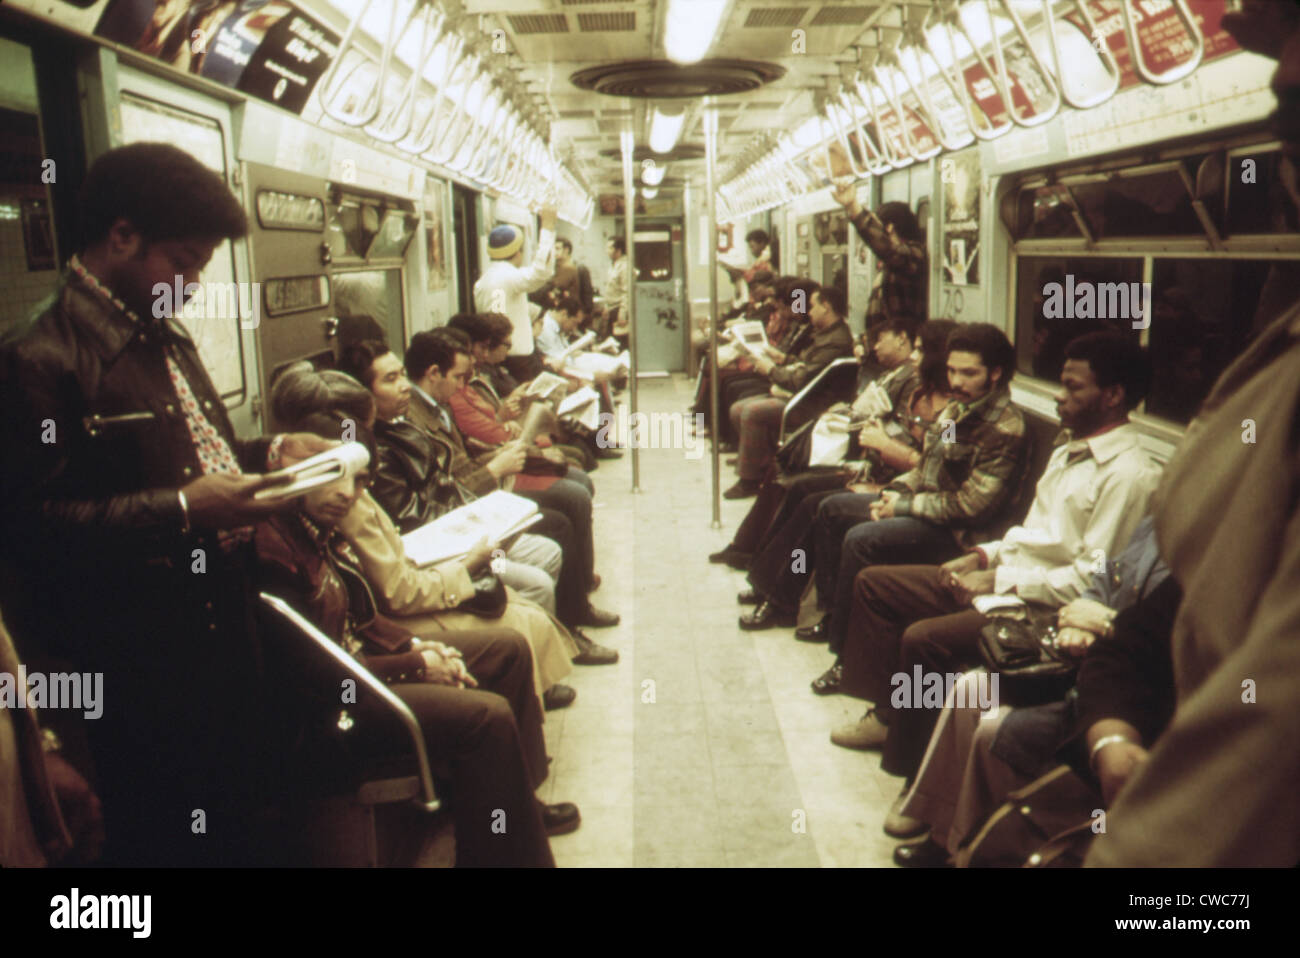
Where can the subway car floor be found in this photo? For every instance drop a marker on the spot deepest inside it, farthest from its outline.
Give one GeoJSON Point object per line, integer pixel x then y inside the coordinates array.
{"type": "Point", "coordinates": [704, 745]}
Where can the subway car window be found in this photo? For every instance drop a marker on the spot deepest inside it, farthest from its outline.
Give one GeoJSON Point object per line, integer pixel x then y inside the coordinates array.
{"type": "Point", "coordinates": [648, 434]}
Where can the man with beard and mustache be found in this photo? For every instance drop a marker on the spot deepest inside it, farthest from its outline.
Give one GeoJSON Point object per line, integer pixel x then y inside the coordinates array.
{"type": "Point", "coordinates": [1218, 787]}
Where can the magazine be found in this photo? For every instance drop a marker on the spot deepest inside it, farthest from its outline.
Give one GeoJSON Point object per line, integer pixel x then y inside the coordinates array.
{"type": "Point", "coordinates": [496, 517]}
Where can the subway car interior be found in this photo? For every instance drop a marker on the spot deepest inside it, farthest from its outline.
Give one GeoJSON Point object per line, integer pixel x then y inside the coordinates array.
{"type": "Point", "coordinates": [397, 393]}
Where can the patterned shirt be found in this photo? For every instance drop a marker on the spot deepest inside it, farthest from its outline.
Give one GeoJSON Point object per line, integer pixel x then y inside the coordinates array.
{"type": "Point", "coordinates": [899, 288]}
{"type": "Point", "coordinates": [214, 453]}
{"type": "Point", "coordinates": [969, 482]}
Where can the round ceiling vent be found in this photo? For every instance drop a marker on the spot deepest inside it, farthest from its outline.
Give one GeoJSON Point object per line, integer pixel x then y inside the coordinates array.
{"type": "Point", "coordinates": [680, 153]}
{"type": "Point", "coordinates": [662, 79]}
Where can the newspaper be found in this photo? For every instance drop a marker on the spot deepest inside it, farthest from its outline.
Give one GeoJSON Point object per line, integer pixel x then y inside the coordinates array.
{"type": "Point", "coordinates": [321, 469]}
{"type": "Point", "coordinates": [586, 366]}
{"type": "Point", "coordinates": [582, 407]}
{"type": "Point", "coordinates": [497, 516]}
{"type": "Point", "coordinates": [750, 335]}
{"type": "Point", "coordinates": [547, 386]}
{"type": "Point", "coordinates": [578, 345]}
{"type": "Point", "coordinates": [539, 421]}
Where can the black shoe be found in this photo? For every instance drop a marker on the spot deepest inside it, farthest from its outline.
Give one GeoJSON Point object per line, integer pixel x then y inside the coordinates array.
{"type": "Point", "coordinates": [766, 616]}
{"type": "Point", "coordinates": [728, 448]}
{"type": "Point", "coordinates": [926, 854]}
{"type": "Point", "coordinates": [558, 697]}
{"type": "Point", "coordinates": [598, 618]}
{"type": "Point", "coordinates": [590, 653]}
{"type": "Point", "coordinates": [828, 683]}
{"type": "Point", "coordinates": [743, 489]}
{"type": "Point", "coordinates": [560, 819]}
{"type": "Point", "coordinates": [608, 452]}
{"type": "Point", "coordinates": [750, 597]}
{"type": "Point", "coordinates": [731, 461]}
{"type": "Point", "coordinates": [815, 633]}
{"type": "Point", "coordinates": [732, 557]}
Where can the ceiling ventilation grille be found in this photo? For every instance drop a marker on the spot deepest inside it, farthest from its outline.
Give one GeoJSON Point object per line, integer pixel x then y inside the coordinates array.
{"type": "Point", "coordinates": [775, 17]}
{"type": "Point", "coordinates": [528, 23]}
{"type": "Point", "coordinates": [602, 22]}
{"type": "Point", "coordinates": [584, 3]}
{"type": "Point", "coordinates": [840, 16]}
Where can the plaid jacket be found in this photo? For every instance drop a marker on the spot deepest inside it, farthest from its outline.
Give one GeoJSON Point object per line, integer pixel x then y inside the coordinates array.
{"type": "Point", "coordinates": [968, 483]}
{"type": "Point", "coordinates": [900, 285]}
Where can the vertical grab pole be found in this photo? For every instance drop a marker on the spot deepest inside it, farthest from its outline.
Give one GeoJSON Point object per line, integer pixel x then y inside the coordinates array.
{"type": "Point", "coordinates": [711, 172]}
{"type": "Point", "coordinates": [629, 215]}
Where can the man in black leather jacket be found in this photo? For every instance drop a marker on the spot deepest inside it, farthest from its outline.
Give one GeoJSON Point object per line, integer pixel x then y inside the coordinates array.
{"type": "Point", "coordinates": [126, 498]}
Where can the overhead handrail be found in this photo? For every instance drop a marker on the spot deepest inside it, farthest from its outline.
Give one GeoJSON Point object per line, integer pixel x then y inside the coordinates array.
{"type": "Point", "coordinates": [842, 136]}
{"type": "Point", "coordinates": [899, 160]}
{"type": "Point", "coordinates": [457, 56]}
{"type": "Point", "coordinates": [465, 132]}
{"type": "Point", "coordinates": [396, 123]}
{"type": "Point", "coordinates": [872, 153]}
{"type": "Point", "coordinates": [374, 96]}
{"type": "Point", "coordinates": [1103, 52]}
{"type": "Point", "coordinates": [895, 65]}
{"type": "Point", "coordinates": [933, 118]}
{"type": "Point", "coordinates": [957, 81]}
{"type": "Point", "coordinates": [999, 57]}
{"type": "Point", "coordinates": [495, 174]}
{"type": "Point", "coordinates": [1174, 73]}
{"type": "Point", "coordinates": [447, 115]}
{"type": "Point", "coordinates": [477, 132]}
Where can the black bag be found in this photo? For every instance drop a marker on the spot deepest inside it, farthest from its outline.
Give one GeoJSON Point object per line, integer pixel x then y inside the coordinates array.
{"type": "Point", "coordinates": [541, 466]}
{"type": "Point", "coordinates": [1032, 673]}
{"type": "Point", "coordinates": [795, 452]}
{"type": "Point", "coordinates": [489, 599]}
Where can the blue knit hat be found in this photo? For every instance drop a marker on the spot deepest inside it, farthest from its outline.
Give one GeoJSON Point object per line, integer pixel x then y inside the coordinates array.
{"type": "Point", "coordinates": [505, 241]}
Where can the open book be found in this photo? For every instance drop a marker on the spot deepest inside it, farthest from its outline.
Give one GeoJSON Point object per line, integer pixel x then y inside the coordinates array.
{"type": "Point", "coordinates": [497, 516]}
{"type": "Point", "coordinates": [321, 469]}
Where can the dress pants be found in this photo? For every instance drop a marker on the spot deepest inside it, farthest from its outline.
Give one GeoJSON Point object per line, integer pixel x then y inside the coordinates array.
{"type": "Point", "coordinates": [904, 616]}
{"type": "Point", "coordinates": [487, 750]}
{"type": "Point", "coordinates": [525, 368]}
{"type": "Point", "coordinates": [530, 567]}
{"type": "Point", "coordinates": [848, 540]}
{"type": "Point", "coordinates": [731, 391]}
{"type": "Point", "coordinates": [566, 518]}
{"type": "Point", "coordinates": [757, 421]}
{"type": "Point", "coordinates": [778, 500]}
{"type": "Point", "coordinates": [774, 571]}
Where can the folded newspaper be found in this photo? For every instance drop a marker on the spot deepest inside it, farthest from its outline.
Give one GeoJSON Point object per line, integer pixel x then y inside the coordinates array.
{"type": "Point", "coordinates": [578, 345]}
{"type": "Point", "coordinates": [321, 469]}
{"type": "Point", "coordinates": [547, 386]}
{"type": "Point", "coordinates": [582, 407]}
{"type": "Point", "coordinates": [751, 335]}
{"type": "Point", "coordinates": [495, 517]}
{"type": "Point", "coordinates": [587, 365]}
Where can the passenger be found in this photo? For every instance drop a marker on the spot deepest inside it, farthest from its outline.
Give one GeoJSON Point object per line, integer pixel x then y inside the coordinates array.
{"type": "Point", "coordinates": [324, 402]}
{"type": "Point", "coordinates": [616, 289]}
{"type": "Point", "coordinates": [1091, 497]}
{"type": "Point", "coordinates": [565, 281]}
{"type": "Point", "coordinates": [787, 332]}
{"type": "Point", "coordinates": [424, 466]}
{"type": "Point", "coordinates": [505, 284]}
{"type": "Point", "coordinates": [1218, 788]}
{"type": "Point", "coordinates": [757, 420]}
{"type": "Point", "coordinates": [49, 815]}
{"type": "Point", "coordinates": [971, 464]}
{"type": "Point", "coordinates": [486, 743]}
{"type": "Point", "coordinates": [121, 475]}
{"type": "Point", "coordinates": [782, 494]}
{"type": "Point", "coordinates": [973, 761]}
{"type": "Point", "coordinates": [898, 288]}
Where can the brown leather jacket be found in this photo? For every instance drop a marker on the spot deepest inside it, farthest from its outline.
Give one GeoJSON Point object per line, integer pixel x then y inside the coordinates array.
{"type": "Point", "coordinates": [315, 571]}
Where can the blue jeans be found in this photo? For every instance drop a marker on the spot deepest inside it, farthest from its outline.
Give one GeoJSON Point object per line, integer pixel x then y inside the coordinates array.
{"type": "Point", "coordinates": [846, 543]}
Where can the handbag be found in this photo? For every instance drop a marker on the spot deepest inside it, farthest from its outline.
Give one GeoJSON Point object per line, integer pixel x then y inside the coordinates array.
{"type": "Point", "coordinates": [1032, 673]}
{"type": "Point", "coordinates": [489, 598]}
{"type": "Point", "coordinates": [541, 466]}
{"type": "Point", "coordinates": [1046, 824]}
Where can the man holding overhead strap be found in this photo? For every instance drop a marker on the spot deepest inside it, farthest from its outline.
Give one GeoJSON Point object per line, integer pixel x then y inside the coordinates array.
{"type": "Point", "coordinates": [505, 285]}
